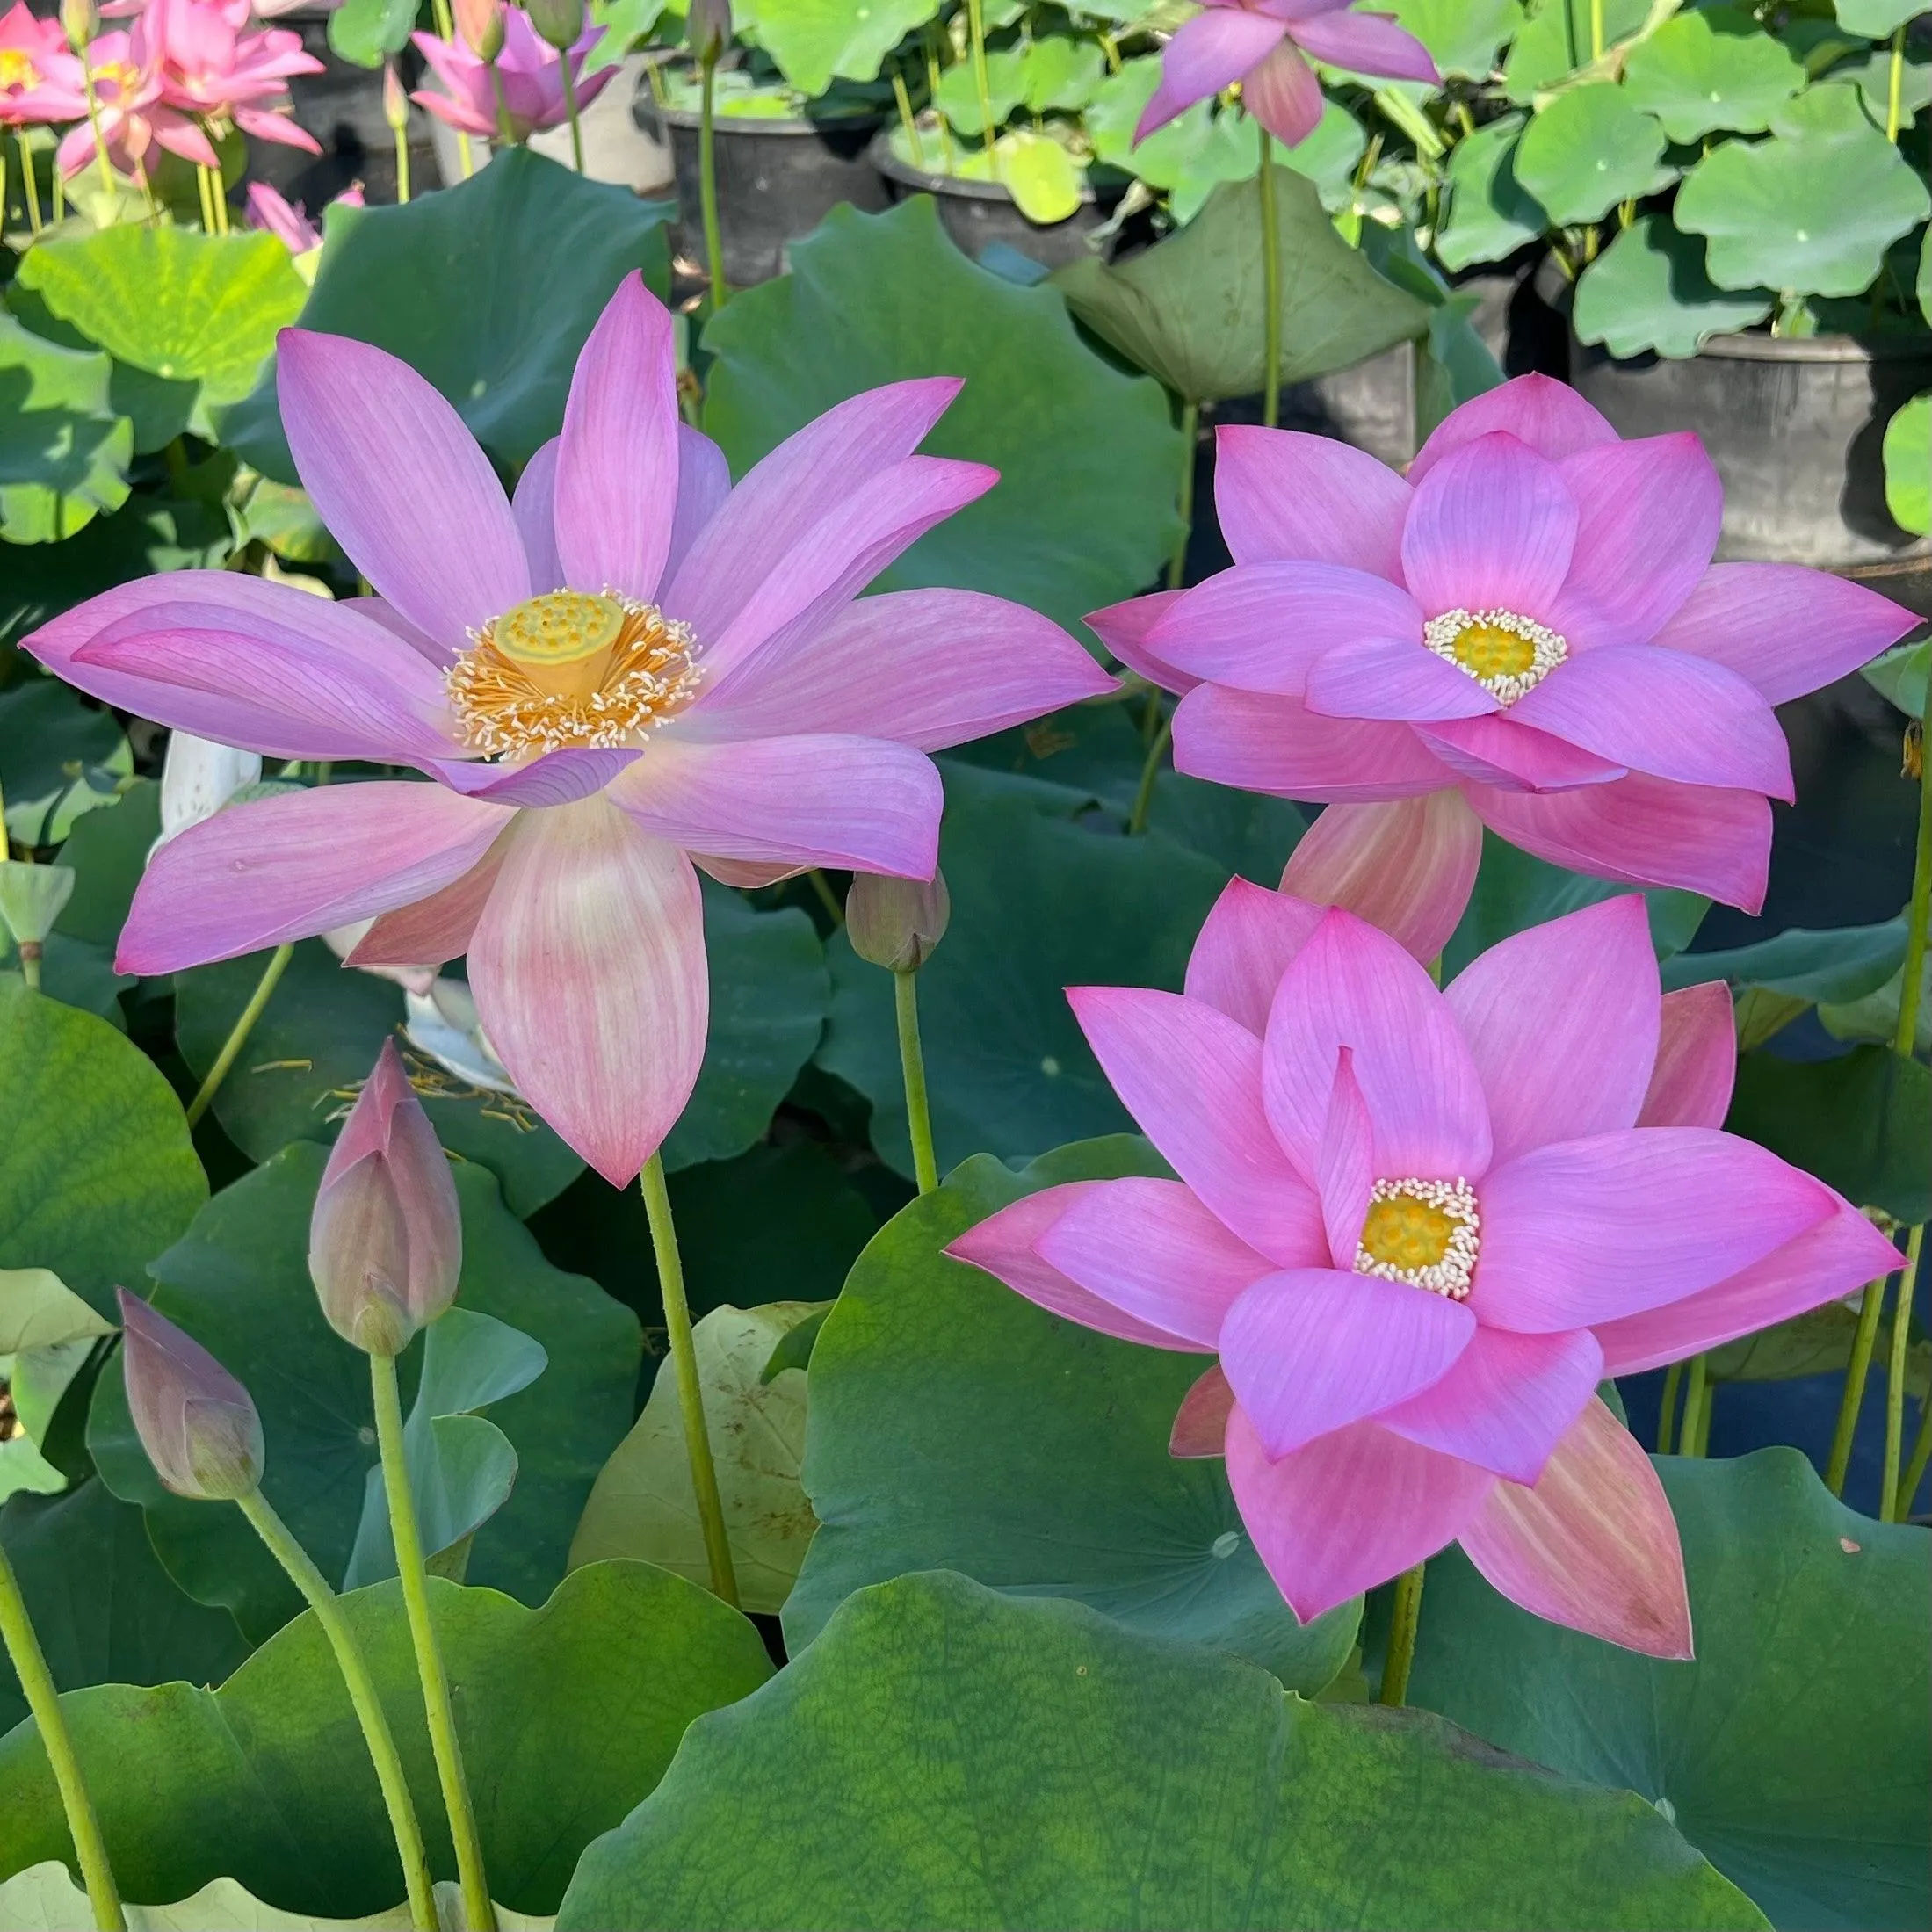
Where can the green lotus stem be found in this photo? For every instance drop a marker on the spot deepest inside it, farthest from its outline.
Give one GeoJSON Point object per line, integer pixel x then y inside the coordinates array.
{"type": "Point", "coordinates": [362, 1694]}
{"type": "Point", "coordinates": [1853, 1397]}
{"type": "Point", "coordinates": [1596, 29]}
{"type": "Point", "coordinates": [982, 86]}
{"type": "Point", "coordinates": [445, 20]}
{"type": "Point", "coordinates": [912, 1061]}
{"type": "Point", "coordinates": [444, 1747]}
{"type": "Point", "coordinates": [505, 130]}
{"type": "Point", "coordinates": [207, 201]}
{"type": "Point", "coordinates": [570, 108]}
{"type": "Point", "coordinates": [402, 166]}
{"type": "Point", "coordinates": [1890, 1507]}
{"type": "Point", "coordinates": [707, 176]}
{"type": "Point", "coordinates": [100, 140]}
{"type": "Point", "coordinates": [29, 187]}
{"type": "Point", "coordinates": [906, 120]}
{"type": "Point", "coordinates": [1150, 772]}
{"type": "Point", "coordinates": [29, 1662]}
{"type": "Point", "coordinates": [828, 898]}
{"type": "Point", "coordinates": [691, 1393]}
{"type": "Point", "coordinates": [932, 92]}
{"type": "Point", "coordinates": [1696, 1396]}
{"type": "Point", "coordinates": [1915, 1473]}
{"type": "Point", "coordinates": [1183, 497]}
{"type": "Point", "coordinates": [238, 1034]}
{"type": "Point", "coordinates": [1911, 986]}
{"type": "Point", "coordinates": [1894, 104]}
{"type": "Point", "coordinates": [1271, 288]}
{"type": "Point", "coordinates": [1405, 1617]}
{"type": "Point", "coordinates": [1666, 1408]}
{"type": "Point", "coordinates": [465, 156]}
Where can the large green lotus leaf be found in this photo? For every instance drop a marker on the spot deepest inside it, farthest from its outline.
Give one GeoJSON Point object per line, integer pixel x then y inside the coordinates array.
{"type": "Point", "coordinates": [955, 1425]}
{"type": "Point", "coordinates": [96, 1171]}
{"type": "Point", "coordinates": [368, 32]}
{"type": "Point", "coordinates": [814, 40]}
{"type": "Point", "coordinates": [1083, 513]}
{"type": "Point", "coordinates": [957, 94]}
{"type": "Point", "coordinates": [1793, 1752]}
{"type": "Point", "coordinates": [1648, 291]}
{"type": "Point", "coordinates": [104, 1610]}
{"type": "Point", "coordinates": [1861, 1123]}
{"type": "Point", "coordinates": [1837, 966]}
{"type": "Point", "coordinates": [1190, 309]}
{"type": "Point", "coordinates": [1491, 213]}
{"type": "Point", "coordinates": [238, 1282]}
{"type": "Point", "coordinates": [567, 1716]}
{"type": "Point", "coordinates": [1811, 211]}
{"type": "Point", "coordinates": [1874, 18]}
{"type": "Point", "coordinates": [1555, 41]}
{"type": "Point", "coordinates": [1900, 674]}
{"type": "Point", "coordinates": [1818, 1343]}
{"type": "Point", "coordinates": [1463, 35]}
{"type": "Point", "coordinates": [1705, 72]}
{"type": "Point", "coordinates": [1588, 150]}
{"type": "Point", "coordinates": [64, 449]}
{"type": "Point", "coordinates": [59, 759]}
{"type": "Point", "coordinates": [1038, 904]}
{"type": "Point", "coordinates": [993, 1764]}
{"type": "Point", "coordinates": [487, 288]}
{"type": "Point", "coordinates": [106, 851]}
{"type": "Point", "coordinates": [1908, 465]}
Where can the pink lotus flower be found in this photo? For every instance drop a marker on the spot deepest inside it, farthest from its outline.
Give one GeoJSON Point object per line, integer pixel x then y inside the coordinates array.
{"type": "Point", "coordinates": [40, 77]}
{"type": "Point", "coordinates": [1261, 43]}
{"type": "Point", "coordinates": [1532, 618]}
{"type": "Point", "coordinates": [288, 221]}
{"type": "Point", "coordinates": [530, 71]}
{"type": "Point", "coordinates": [1418, 1227]}
{"type": "Point", "coordinates": [652, 662]}
{"type": "Point", "coordinates": [128, 99]}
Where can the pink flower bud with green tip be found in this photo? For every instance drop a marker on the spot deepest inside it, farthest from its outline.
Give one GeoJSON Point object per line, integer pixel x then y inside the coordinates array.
{"type": "Point", "coordinates": [197, 1423]}
{"type": "Point", "coordinates": [385, 1242]}
{"type": "Point", "coordinates": [896, 923]}
{"type": "Point", "coordinates": [481, 25]}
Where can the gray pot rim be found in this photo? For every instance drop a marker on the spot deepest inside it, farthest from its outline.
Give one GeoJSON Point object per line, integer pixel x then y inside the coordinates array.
{"type": "Point", "coordinates": [726, 125]}
{"type": "Point", "coordinates": [882, 157]}
{"type": "Point", "coordinates": [1826, 348]}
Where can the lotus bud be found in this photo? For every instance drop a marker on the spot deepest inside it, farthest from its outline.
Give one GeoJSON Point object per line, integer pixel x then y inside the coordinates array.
{"type": "Point", "coordinates": [896, 923]}
{"type": "Point", "coordinates": [31, 897]}
{"type": "Point", "coordinates": [558, 23]}
{"type": "Point", "coordinates": [396, 99]}
{"type": "Point", "coordinates": [707, 28]}
{"type": "Point", "coordinates": [197, 1423]}
{"type": "Point", "coordinates": [80, 21]}
{"type": "Point", "coordinates": [481, 24]}
{"type": "Point", "coordinates": [386, 1242]}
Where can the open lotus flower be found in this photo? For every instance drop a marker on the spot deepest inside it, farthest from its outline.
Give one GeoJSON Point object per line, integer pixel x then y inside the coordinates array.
{"type": "Point", "coordinates": [221, 76]}
{"type": "Point", "coordinates": [1418, 1227]}
{"type": "Point", "coordinates": [288, 221]}
{"type": "Point", "coordinates": [39, 77]}
{"type": "Point", "coordinates": [1261, 43]}
{"type": "Point", "coordinates": [630, 663]}
{"type": "Point", "coordinates": [127, 103]}
{"type": "Point", "coordinates": [530, 73]}
{"type": "Point", "coordinates": [1531, 618]}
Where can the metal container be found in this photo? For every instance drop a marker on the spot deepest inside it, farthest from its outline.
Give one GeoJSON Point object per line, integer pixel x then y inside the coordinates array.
{"type": "Point", "coordinates": [975, 213]}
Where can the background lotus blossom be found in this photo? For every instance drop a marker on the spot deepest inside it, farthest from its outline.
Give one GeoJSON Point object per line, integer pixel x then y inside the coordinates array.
{"type": "Point", "coordinates": [40, 77]}
{"type": "Point", "coordinates": [1262, 44]}
{"type": "Point", "coordinates": [288, 221]}
{"type": "Point", "coordinates": [1418, 1227]}
{"type": "Point", "coordinates": [531, 73]}
{"type": "Point", "coordinates": [661, 663]}
{"type": "Point", "coordinates": [1532, 618]}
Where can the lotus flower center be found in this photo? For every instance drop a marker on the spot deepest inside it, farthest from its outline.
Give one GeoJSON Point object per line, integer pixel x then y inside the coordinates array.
{"type": "Point", "coordinates": [1425, 1232]}
{"type": "Point", "coordinates": [1506, 654]}
{"type": "Point", "coordinates": [121, 76]}
{"type": "Point", "coordinates": [570, 669]}
{"type": "Point", "coordinates": [17, 70]}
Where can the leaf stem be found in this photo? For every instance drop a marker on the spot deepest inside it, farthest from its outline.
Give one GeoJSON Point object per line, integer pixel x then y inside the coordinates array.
{"type": "Point", "coordinates": [429, 1661]}
{"type": "Point", "coordinates": [1271, 287]}
{"type": "Point", "coordinates": [570, 108]}
{"type": "Point", "coordinates": [100, 140]}
{"type": "Point", "coordinates": [1596, 29]}
{"type": "Point", "coordinates": [30, 187]}
{"type": "Point", "coordinates": [1915, 1473]}
{"type": "Point", "coordinates": [238, 1034]}
{"type": "Point", "coordinates": [1853, 1396]}
{"type": "Point", "coordinates": [1402, 1628]}
{"type": "Point", "coordinates": [1666, 1408]}
{"type": "Point", "coordinates": [912, 1061]}
{"type": "Point", "coordinates": [828, 898]}
{"type": "Point", "coordinates": [1697, 1402]}
{"type": "Point", "coordinates": [903, 100]}
{"type": "Point", "coordinates": [402, 166]}
{"type": "Point", "coordinates": [362, 1694]}
{"type": "Point", "coordinates": [707, 176]}
{"type": "Point", "coordinates": [983, 86]}
{"type": "Point", "coordinates": [1183, 496]}
{"type": "Point", "coordinates": [1894, 115]}
{"type": "Point", "coordinates": [1889, 1506]}
{"type": "Point", "coordinates": [1150, 771]}
{"type": "Point", "coordinates": [690, 1394]}
{"type": "Point", "coordinates": [1919, 915]}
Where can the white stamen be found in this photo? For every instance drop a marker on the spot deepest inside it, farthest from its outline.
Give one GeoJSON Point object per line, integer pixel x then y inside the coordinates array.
{"type": "Point", "coordinates": [1548, 648]}
{"type": "Point", "coordinates": [1451, 1275]}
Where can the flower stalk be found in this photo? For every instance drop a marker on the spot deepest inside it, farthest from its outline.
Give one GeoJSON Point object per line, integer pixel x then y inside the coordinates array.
{"type": "Point", "coordinates": [912, 1061]}
{"type": "Point", "coordinates": [707, 173]}
{"type": "Point", "coordinates": [1852, 1398]}
{"type": "Point", "coordinates": [1270, 287]}
{"type": "Point", "coordinates": [29, 186]}
{"type": "Point", "coordinates": [238, 1035]}
{"type": "Point", "coordinates": [1406, 1618]}
{"type": "Point", "coordinates": [1893, 1498]}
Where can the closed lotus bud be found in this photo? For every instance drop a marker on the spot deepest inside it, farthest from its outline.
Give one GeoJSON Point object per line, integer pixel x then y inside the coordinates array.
{"type": "Point", "coordinates": [31, 897]}
{"type": "Point", "coordinates": [396, 99]}
{"type": "Point", "coordinates": [80, 21]}
{"type": "Point", "coordinates": [481, 24]}
{"type": "Point", "coordinates": [197, 1423]}
{"type": "Point", "coordinates": [198, 778]}
{"type": "Point", "coordinates": [385, 1242]}
{"type": "Point", "coordinates": [559, 23]}
{"type": "Point", "coordinates": [707, 28]}
{"type": "Point", "coordinates": [896, 923]}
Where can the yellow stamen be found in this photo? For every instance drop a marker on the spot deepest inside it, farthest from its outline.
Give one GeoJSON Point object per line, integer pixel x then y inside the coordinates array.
{"type": "Point", "coordinates": [17, 70]}
{"type": "Point", "coordinates": [1424, 1232]}
{"type": "Point", "coordinates": [1506, 654]}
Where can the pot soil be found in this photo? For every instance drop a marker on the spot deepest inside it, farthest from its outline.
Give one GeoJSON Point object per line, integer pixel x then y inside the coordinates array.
{"type": "Point", "coordinates": [976, 214]}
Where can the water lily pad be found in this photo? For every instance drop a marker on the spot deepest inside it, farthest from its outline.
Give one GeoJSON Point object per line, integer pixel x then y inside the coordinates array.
{"type": "Point", "coordinates": [1908, 465]}
{"type": "Point", "coordinates": [1648, 291]}
{"type": "Point", "coordinates": [1588, 150]}
{"type": "Point", "coordinates": [1491, 213]}
{"type": "Point", "coordinates": [1711, 70]}
{"type": "Point", "coordinates": [994, 1764]}
{"type": "Point", "coordinates": [64, 449]}
{"type": "Point", "coordinates": [1793, 1752]}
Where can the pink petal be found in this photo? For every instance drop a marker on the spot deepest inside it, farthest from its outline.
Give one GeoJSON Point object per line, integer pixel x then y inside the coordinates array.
{"type": "Point", "coordinates": [1366, 43]}
{"type": "Point", "coordinates": [1561, 1020]}
{"type": "Point", "coordinates": [1208, 53]}
{"type": "Point", "coordinates": [1843, 1252]}
{"type": "Point", "coordinates": [1408, 867]}
{"type": "Point", "coordinates": [1349, 1511]}
{"type": "Point", "coordinates": [1005, 1246]}
{"type": "Point", "coordinates": [557, 777]}
{"type": "Point", "coordinates": [1200, 1423]}
{"type": "Point", "coordinates": [534, 508]}
{"type": "Point", "coordinates": [1309, 1350]}
{"type": "Point", "coordinates": [1277, 745]}
{"type": "Point", "coordinates": [1284, 95]}
{"type": "Point", "coordinates": [1191, 1077]}
{"type": "Point", "coordinates": [1593, 1545]}
{"type": "Point", "coordinates": [295, 864]}
{"type": "Point", "coordinates": [1392, 677]}
{"type": "Point", "coordinates": [1644, 831]}
{"type": "Point", "coordinates": [1585, 1231]}
{"type": "Point", "coordinates": [1647, 518]}
{"type": "Point", "coordinates": [1696, 1059]}
{"type": "Point", "coordinates": [704, 486]}
{"type": "Point", "coordinates": [379, 611]}
{"type": "Point", "coordinates": [1507, 1402]}
{"type": "Point", "coordinates": [860, 803]}
{"type": "Point", "coordinates": [744, 874]}
{"type": "Point", "coordinates": [1123, 628]}
{"type": "Point", "coordinates": [1351, 986]}
{"type": "Point", "coordinates": [1259, 626]}
{"type": "Point", "coordinates": [1662, 711]}
{"type": "Point", "coordinates": [433, 930]}
{"type": "Point", "coordinates": [401, 483]}
{"type": "Point", "coordinates": [923, 668]}
{"type": "Point", "coordinates": [1547, 415]}
{"type": "Point", "coordinates": [617, 473]}
{"type": "Point", "coordinates": [1244, 946]}
{"type": "Point", "coordinates": [588, 967]}
{"type": "Point", "coordinates": [1785, 629]}
{"type": "Point", "coordinates": [1503, 753]}
{"type": "Point", "coordinates": [1345, 1164]}
{"type": "Point", "coordinates": [1282, 494]}
{"type": "Point", "coordinates": [783, 496]}
{"type": "Point", "coordinates": [1492, 527]}
{"type": "Point", "coordinates": [1154, 1251]}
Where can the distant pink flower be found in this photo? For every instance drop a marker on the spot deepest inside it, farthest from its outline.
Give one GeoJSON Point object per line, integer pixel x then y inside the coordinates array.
{"type": "Point", "coordinates": [40, 77]}
{"type": "Point", "coordinates": [1533, 617]}
{"type": "Point", "coordinates": [1262, 44]}
{"type": "Point", "coordinates": [530, 71]}
{"type": "Point", "coordinates": [659, 664]}
{"type": "Point", "coordinates": [128, 101]}
{"type": "Point", "coordinates": [288, 222]}
{"type": "Point", "coordinates": [220, 75]}
{"type": "Point", "coordinates": [1418, 1227]}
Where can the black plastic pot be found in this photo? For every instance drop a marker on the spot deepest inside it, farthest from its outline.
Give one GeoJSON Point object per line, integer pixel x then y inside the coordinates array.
{"type": "Point", "coordinates": [976, 213]}
{"type": "Point", "coordinates": [776, 181]}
